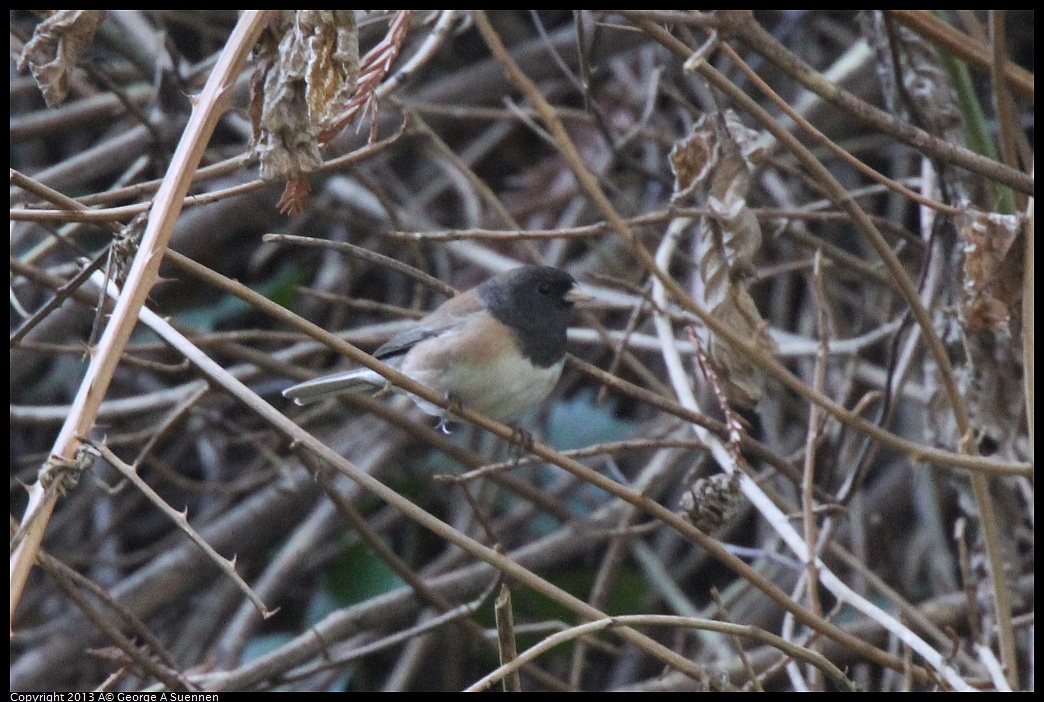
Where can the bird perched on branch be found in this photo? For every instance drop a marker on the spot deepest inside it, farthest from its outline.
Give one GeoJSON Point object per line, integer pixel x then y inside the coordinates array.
{"type": "Point", "coordinates": [498, 348]}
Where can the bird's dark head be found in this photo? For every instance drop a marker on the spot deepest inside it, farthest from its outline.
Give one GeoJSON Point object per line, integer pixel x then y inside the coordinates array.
{"type": "Point", "coordinates": [537, 303]}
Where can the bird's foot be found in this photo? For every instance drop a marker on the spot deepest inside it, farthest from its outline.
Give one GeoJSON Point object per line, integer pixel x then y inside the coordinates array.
{"type": "Point", "coordinates": [453, 406]}
{"type": "Point", "coordinates": [521, 442]}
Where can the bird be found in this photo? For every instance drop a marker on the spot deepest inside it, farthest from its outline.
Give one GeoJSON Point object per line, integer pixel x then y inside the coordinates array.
{"type": "Point", "coordinates": [498, 348]}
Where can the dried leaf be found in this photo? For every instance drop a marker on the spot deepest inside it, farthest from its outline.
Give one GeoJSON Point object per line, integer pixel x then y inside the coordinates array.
{"type": "Point", "coordinates": [55, 47]}
{"type": "Point", "coordinates": [326, 43]}
{"type": "Point", "coordinates": [991, 374]}
{"type": "Point", "coordinates": [716, 159]}
{"type": "Point", "coordinates": [309, 64]}
{"type": "Point", "coordinates": [692, 159]}
{"type": "Point", "coordinates": [988, 238]}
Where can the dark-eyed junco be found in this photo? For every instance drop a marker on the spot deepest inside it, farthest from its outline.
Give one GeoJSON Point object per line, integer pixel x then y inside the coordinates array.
{"type": "Point", "coordinates": [498, 348]}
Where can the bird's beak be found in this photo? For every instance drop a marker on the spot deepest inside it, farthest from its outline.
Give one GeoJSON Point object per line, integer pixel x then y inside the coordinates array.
{"type": "Point", "coordinates": [580, 296]}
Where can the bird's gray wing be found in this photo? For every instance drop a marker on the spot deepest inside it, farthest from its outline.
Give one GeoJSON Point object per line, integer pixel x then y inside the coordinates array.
{"type": "Point", "coordinates": [452, 314]}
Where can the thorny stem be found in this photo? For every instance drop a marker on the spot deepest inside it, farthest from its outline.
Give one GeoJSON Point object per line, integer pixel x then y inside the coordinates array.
{"type": "Point", "coordinates": [207, 109]}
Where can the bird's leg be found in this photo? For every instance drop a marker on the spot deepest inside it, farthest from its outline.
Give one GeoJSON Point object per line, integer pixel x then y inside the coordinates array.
{"type": "Point", "coordinates": [521, 442]}
{"type": "Point", "coordinates": [453, 407]}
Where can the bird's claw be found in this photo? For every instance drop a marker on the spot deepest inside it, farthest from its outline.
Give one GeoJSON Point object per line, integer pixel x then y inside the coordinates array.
{"type": "Point", "coordinates": [521, 443]}
{"type": "Point", "coordinates": [443, 425]}
{"type": "Point", "coordinates": [453, 406]}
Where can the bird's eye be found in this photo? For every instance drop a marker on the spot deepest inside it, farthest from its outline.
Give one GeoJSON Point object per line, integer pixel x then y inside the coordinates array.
{"type": "Point", "coordinates": [544, 288]}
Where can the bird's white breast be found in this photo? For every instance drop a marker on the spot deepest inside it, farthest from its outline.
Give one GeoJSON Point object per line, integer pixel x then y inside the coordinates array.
{"type": "Point", "coordinates": [484, 371]}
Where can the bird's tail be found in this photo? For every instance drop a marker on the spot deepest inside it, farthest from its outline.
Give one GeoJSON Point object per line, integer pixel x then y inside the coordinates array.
{"type": "Point", "coordinates": [359, 380]}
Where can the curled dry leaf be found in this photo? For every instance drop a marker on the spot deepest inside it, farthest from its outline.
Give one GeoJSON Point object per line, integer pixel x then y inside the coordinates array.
{"type": "Point", "coordinates": [56, 45]}
{"type": "Point", "coordinates": [716, 159]}
{"type": "Point", "coordinates": [308, 67]}
{"type": "Point", "coordinates": [990, 320]}
{"type": "Point", "coordinates": [988, 238]}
